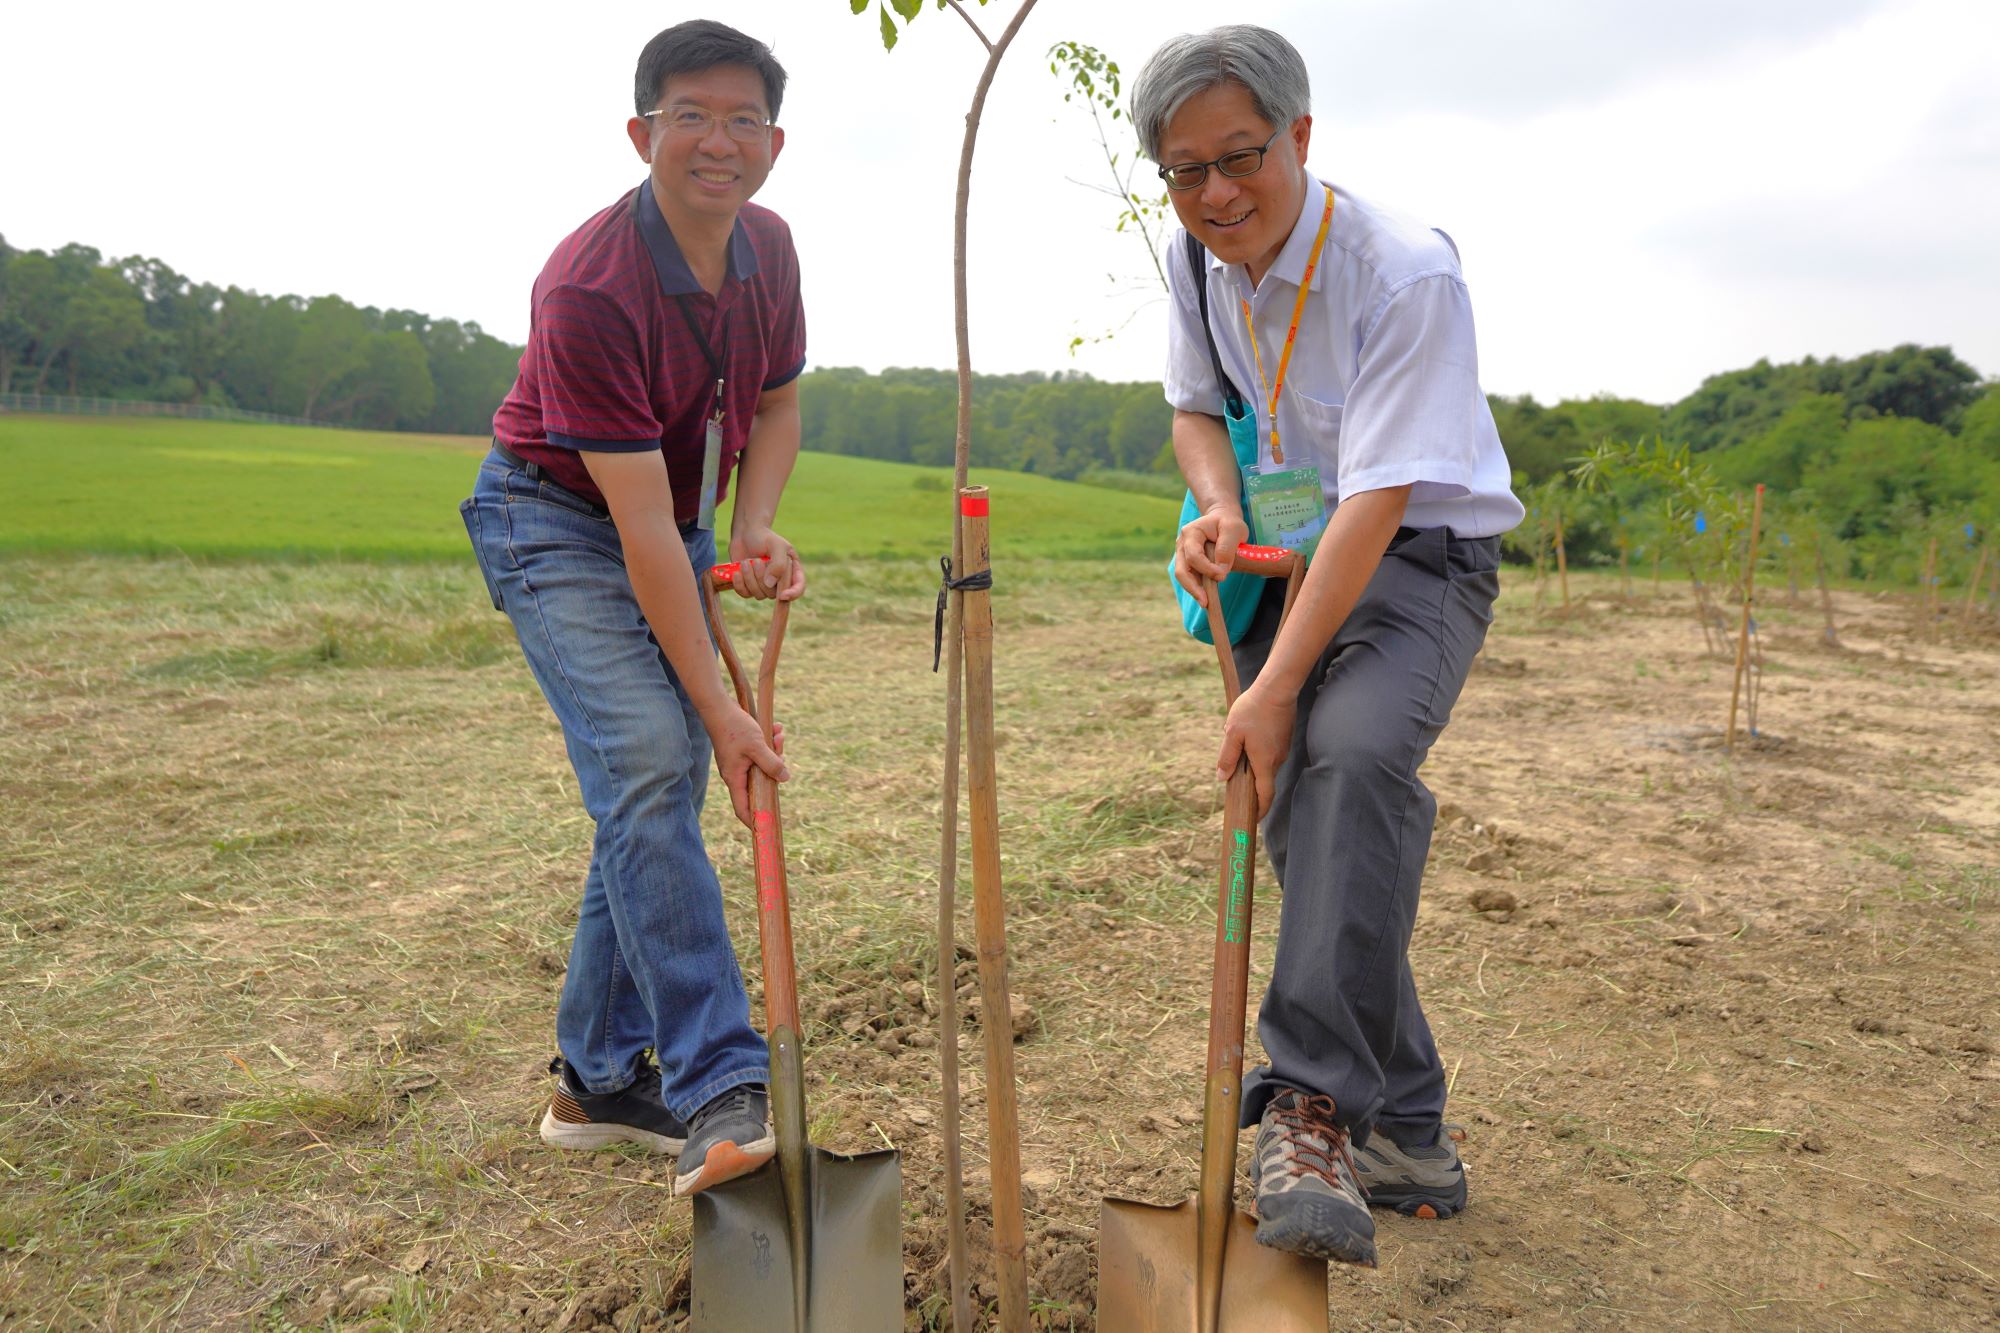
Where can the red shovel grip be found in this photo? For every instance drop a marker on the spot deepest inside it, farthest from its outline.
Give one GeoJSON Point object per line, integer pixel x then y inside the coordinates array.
{"type": "Point", "coordinates": [723, 576]}
{"type": "Point", "coordinates": [1271, 562]}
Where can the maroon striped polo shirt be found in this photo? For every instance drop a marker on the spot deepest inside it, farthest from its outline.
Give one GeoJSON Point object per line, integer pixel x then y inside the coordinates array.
{"type": "Point", "coordinates": [612, 365]}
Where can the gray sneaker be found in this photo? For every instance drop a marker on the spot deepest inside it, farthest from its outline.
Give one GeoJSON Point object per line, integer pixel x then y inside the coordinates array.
{"type": "Point", "coordinates": [1415, 1181]}
{"type": "Point", "coordinates": [1308, 1200]}
{"type": "Point", "coordinates": [729, 1137]}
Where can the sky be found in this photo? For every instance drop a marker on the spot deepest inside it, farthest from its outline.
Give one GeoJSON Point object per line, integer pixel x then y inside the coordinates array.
{"type": "Point", "coordinates": [1643, 195]}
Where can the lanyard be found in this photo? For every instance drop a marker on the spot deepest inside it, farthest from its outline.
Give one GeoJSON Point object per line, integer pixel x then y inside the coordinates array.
{"type": "Point", "coordinates": [1298, 313]}
{"type": "Point", "coordinates": [715, 366]}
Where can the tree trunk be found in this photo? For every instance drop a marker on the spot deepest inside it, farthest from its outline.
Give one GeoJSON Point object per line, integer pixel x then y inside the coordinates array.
{"type": "Point", "coordinates": [1825, 597]}
{"type": "Point", "coordinates": [1743, 634]}
{"type": "Point", "coordinates": [1004, 1159]}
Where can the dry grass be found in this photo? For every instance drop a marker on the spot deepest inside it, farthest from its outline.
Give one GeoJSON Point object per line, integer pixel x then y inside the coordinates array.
{"type": "Point", "coordinates": [291, 856]}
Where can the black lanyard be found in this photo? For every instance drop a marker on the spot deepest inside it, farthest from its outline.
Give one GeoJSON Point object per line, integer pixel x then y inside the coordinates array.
{"type": "Point", "coordinates": [715, 366]}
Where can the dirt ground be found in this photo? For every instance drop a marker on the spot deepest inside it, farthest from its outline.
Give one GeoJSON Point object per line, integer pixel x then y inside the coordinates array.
{"type": "Point", "coordinates": [290, 856]}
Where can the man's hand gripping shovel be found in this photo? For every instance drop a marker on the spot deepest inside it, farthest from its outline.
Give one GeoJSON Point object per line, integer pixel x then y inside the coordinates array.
{"type": "Point", "coordinates": [810, 1242]}
{"type": "Point", "coordinates": [1197, 1267]}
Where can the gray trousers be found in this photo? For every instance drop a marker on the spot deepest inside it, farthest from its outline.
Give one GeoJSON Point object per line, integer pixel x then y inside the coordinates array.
{"type": "Point", "coordinates": [1349, 829]}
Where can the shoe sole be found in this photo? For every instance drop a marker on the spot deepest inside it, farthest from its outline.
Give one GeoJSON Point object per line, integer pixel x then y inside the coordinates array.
{"type": "Point", "coordinates": [1415, 1201]}
{"type": "Point", "coordinates": [726, 1161]}
{"type": "Point", "coordinates": [565, 1134]}
{"type": "Point", "coordinates": [1318, 1233]}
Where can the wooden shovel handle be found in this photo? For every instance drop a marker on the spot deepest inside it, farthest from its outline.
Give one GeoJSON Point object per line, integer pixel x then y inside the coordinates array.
{"type": "Point", "coordinates": [724, 576]}
{"type": "Point", "coordinates": [774, 913]}
{"type": "Point", "coordinates": [1271, 562]}
{"type": "Point", "coordinates": [1230, 983]}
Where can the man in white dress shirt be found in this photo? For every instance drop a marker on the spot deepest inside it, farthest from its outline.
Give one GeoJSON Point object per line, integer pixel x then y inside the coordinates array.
{"type": "Point", "coordinates": [1334, 390]}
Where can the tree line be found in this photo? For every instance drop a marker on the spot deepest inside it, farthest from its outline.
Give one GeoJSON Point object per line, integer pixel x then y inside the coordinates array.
{"type": "Point", "coordinates": [72, 321]}
{"type": "Point", "coordinates": [1876, 453]}
{"type": "Point", "coordinates": [1881, 443]}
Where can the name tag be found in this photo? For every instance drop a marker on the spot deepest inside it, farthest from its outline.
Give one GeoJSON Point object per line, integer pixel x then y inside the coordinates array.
{"type": "Point", "coordinates": [1285, 508]}
{"type": "Point", "coordinates": [711, 467]}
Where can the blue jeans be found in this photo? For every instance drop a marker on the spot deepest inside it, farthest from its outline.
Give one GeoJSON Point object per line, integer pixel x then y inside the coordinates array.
{"type": "Point", "coordinates": [651, 964]}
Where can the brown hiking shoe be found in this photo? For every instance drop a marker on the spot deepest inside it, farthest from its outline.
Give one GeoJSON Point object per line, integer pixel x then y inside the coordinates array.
{"type": "Point", "coordinates": [1308, 1200]}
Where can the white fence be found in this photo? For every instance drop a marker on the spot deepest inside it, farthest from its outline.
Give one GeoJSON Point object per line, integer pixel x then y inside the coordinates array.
{"type": "Point", "coordinates": [70, 405]}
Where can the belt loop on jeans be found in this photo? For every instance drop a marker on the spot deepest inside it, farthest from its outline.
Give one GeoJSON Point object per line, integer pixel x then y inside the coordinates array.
{"type": "Point", "coordinates": [514, 460]}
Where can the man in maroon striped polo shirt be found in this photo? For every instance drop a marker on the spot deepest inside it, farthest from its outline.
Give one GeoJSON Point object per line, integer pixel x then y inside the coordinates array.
{"type": "Point", "coordinates": [665, 342]}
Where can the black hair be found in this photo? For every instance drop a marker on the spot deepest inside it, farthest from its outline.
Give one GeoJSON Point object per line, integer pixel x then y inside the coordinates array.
{"type": "Point", "coordinates": [699, 44]}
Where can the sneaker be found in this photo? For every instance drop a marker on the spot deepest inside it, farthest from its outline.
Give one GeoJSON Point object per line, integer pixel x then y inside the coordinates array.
{"type": "Point", "coordinates": [729, 1137]}
{"type": "Point", "coordinates": [633, 1114]}
{"type": "Point", "coordinates": [1308, 1200]}
{"type": "Point", "coordinates": [1415, 1181]}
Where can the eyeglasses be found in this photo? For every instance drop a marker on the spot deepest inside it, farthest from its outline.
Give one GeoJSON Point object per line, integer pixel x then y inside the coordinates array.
{"type": "Point", "coordinates": [740, 126]}
{"type": "Point", "coordinates": [1242, 162]}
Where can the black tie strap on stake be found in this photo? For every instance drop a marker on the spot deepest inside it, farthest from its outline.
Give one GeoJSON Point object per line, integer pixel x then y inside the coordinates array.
{"type": "Point", "coordinates": [980, 582]}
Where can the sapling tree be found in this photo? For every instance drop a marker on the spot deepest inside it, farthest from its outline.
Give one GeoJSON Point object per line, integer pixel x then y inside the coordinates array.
{"type": "Point", "coordinates": [1540, 537]}
{"type": "Point", "coordinates": [1003, 1148]}
{"type": "Point", "coordinates": [1716, 532]}
{"type": "Point", "coordinates": [1975, 540]}
{"type": "Point", "coordinates": [1809, 537]}
{"type": "Point", "coordinates": [1704, 522]}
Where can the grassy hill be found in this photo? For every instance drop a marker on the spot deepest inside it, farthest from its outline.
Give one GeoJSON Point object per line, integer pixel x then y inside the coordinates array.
{"type": "Point", "coordinates": [236, 490]}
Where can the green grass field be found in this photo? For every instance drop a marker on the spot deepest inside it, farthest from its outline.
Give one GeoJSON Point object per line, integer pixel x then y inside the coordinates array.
{"type": "Point", "coordinates": [231, 490]}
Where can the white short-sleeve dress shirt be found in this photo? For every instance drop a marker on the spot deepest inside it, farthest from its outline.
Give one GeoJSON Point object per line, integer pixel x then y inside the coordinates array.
{"type": "Point", "coordinates": [1383, 387]}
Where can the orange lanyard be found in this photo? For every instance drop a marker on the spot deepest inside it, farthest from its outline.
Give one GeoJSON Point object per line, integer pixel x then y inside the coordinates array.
{"type": "Point", "coordinates": [1291, 336]}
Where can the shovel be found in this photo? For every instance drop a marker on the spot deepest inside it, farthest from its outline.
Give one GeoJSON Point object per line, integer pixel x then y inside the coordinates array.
{"type": "Point", "coordinates": [811, 1241]}
{"type": "Point", "coordinates": [1197, 1267]}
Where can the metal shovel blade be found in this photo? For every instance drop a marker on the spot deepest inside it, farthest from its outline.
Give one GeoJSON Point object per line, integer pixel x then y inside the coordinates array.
{"type": "Point", "coordinates": [1147, 1262]}
{"type": "Point", "coordinates": [747, 1264]}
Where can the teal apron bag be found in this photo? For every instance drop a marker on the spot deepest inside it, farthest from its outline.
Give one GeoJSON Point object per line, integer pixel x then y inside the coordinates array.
{"type": "Point", "coordinates": [1240, 592]}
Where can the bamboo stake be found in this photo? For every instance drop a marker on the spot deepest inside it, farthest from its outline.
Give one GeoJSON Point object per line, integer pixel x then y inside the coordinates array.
{"type": "Point", "coordinates": [1562, 563]}
{"type": "Point", "coordinates": [1825, 597]}
{"type": "Point", "coordinates": [996, 1021]}
{"type": "Point", "coordinates": [1929, 590]}
{"type": "Point", "coordinates": [1972, 593]}
{"type": "Point", "coordinates": [1743, 633]}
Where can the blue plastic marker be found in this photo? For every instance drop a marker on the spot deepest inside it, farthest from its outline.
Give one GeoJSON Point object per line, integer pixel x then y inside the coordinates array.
{"type": "Point", "coordinates": [1700, 522]}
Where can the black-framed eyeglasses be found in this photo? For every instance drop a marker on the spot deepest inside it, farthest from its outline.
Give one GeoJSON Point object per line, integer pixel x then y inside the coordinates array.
{"type": "Point", "coordinates": [1242, 162]}
{"type": "Point", "coordinates": [741, 126]}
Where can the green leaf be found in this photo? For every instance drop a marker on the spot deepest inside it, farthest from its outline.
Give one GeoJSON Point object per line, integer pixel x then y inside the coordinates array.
{"type": "Point", "coordinates": [888, 31]}
{"type": "Point", "coordinates": [856, 6]}
{"type": "Point", "coordinates": [909, 9]}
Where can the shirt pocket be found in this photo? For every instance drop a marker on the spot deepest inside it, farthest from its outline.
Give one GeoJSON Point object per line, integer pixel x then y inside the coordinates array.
{"type": "Point", "coordinates": [1321, 423]}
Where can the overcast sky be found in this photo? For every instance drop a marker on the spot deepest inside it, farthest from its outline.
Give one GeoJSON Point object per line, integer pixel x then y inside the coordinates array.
{"type": "Point", "coordinates": [1643, 194]}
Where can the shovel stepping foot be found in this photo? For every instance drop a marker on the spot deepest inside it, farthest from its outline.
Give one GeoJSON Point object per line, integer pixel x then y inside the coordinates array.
{"type": "Point", "coordinates": [729, 1137]}
{"type": "Point", "coordinates": [1309, 1201]}
{"type": "Point", "coordinates": [1319, 1229]}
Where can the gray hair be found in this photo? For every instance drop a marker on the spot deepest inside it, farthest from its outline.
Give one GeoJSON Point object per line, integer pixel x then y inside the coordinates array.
{"type": "Point", "coordinates": [1263, 62]}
